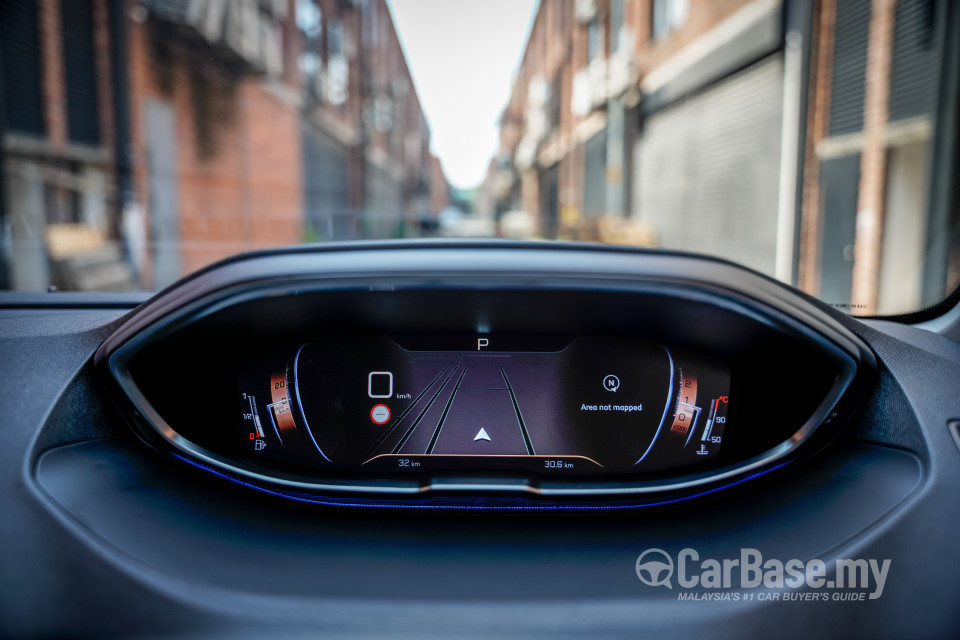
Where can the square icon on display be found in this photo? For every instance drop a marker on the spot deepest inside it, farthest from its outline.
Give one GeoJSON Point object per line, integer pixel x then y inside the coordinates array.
{"type": "Point", "coordinates": [380, 384]}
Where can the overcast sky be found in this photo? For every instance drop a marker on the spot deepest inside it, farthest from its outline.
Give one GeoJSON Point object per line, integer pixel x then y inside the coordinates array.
{"type": "Point", "coordinates": [462, 54]}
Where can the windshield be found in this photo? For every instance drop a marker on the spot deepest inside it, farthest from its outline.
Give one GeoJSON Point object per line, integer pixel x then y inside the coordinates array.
{"type": "Point", "coordinates": [815, 142]}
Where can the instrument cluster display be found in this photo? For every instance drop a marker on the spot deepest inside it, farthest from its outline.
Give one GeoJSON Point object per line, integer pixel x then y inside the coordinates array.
{"type": "Point", "coordinates": [542, 404]}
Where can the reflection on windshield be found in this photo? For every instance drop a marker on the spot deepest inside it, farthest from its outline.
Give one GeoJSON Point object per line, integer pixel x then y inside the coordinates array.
{"type": "Point", "coordinates": [813, 141]}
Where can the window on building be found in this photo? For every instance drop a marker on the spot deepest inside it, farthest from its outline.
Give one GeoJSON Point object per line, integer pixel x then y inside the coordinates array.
{"type": "Point", "coordinates": [309, 63]}
{"type": "Point", "coordinates": [371, 25]}
{"type": "Point", "coordinates": [668, 15]}
{"type": "Point", "coordinates": [334, 38]}
{"type": "Point", "coordinates": [310, 26]}
{"type": "Point", "coordinates": [63, 206]}
{"type": "Point", "coordinates": [849, 72]}
{"type": "Point", "coordinates": [556, 100]}
{"type": "Point", "coordinates": [79, 68]}
{"type": "Point", "coordinates": [616, 23]}
{"type": "Point", "coordinates": [338, 69]}
{"type": "Point", "coordinates": [915, 68]}
{"type": "Point", "coordinates": [594, 39]}
{"type": "Point", "coordinates": [20, 56]}
{"type": "Point", "coordinates": [308, 18]}
{"type": "Point", "coordinates": [595, 176]}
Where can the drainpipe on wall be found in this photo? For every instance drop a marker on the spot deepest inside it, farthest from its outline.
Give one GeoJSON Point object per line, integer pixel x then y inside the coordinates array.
{"type": "Point", "coordinates": [616, 130]}
{"type": "Point", "coordinates": [945, 170]}
{"type": "Point", "coordinates": [798, 25]}
{"type": "Point", "coordinates": [123, 151]}
{"type": "Point", "coordinates": [4, 243]}
{"type": "Point", "coordinates": [789, 156]}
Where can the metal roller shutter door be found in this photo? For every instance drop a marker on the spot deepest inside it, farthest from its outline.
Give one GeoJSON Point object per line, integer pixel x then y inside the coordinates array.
{"type": "Point", "coordinates": [706, 171]}
{"type": "Point", "coordinates": [325, 185]}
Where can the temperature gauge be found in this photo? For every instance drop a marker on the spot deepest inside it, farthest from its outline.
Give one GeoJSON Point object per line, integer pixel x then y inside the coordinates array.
{"type": "Point", "coordinates": [693, 422]}
{"type": "Point", "coordinates": [713, 428]}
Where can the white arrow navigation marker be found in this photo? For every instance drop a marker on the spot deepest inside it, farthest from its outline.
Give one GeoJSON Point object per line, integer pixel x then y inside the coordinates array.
{"type": "Point", "coordinates": [482, 435]}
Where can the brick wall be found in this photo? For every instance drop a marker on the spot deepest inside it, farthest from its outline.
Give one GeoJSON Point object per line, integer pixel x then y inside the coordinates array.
{"type": "Point", "coordinates": [54, 83]}
{"type": "Point", "coordinates": [239, 171]}
{"type": "Point", "coordinates": [439, 189]}
{"type": "Point", "coordinates": [105, 82]}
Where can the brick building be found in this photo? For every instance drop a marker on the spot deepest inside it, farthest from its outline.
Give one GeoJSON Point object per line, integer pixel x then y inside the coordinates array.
{"type": "Point", "coordinates": [214, 131]}
{"type": "Point", "coordinates": [769, 132]}
{"type": "Point", "coordinates": [126, 162]}
{"type": "Point", "coordinates": [144, 139]}
{"type": "Point", "coordinates": [368, 168]}
{"type": "Point", "coordinates": [663, 114]}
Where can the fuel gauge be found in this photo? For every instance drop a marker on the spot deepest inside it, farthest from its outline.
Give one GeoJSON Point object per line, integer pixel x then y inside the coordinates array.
{"type": "Point", "coordinates": [252, 422]}
{"type": "Point", "coordinates": [267, 414]}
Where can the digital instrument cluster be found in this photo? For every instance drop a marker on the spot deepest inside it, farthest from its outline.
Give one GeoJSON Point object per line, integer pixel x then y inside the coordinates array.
{"type": "Point", "coordinates": [534, 404]}
{"type": "Point", "coordinates": [485, 376]}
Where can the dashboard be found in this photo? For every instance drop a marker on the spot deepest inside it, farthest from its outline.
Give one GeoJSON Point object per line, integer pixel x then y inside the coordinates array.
{"type": "Point", "coordinates": [473, 439]}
